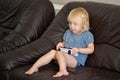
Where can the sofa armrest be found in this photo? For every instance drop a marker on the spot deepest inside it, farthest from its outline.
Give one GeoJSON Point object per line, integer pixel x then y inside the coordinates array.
{"type": "Point", "coordinates": [25, 55]}
{"type": "Point", "coordinates": [33, 21]}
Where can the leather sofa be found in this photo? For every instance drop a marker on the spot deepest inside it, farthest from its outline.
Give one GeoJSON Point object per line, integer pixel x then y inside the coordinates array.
{"type": "Point", "coordinates": [103, 64]}
{"type": "Point", "coordinates": [23, 21]}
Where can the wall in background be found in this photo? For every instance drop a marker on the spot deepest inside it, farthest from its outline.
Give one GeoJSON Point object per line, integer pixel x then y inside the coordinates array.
{"type": "Point", "coordinates": [103, 1]}
{"type": "Point", "coordinates": [58, 4]}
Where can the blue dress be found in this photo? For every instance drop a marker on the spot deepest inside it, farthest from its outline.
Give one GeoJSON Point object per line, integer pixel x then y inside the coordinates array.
{"type": "Point", "coordinates": [79, 41]}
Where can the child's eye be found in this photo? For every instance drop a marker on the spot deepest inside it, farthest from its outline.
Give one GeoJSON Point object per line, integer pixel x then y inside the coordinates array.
{"type": "Point", "coordinates": [69, 23]}
{"type": "Point", "coordinates": [75, 24]}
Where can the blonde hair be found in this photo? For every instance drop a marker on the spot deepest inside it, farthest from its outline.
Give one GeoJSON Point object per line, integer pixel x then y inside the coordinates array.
{"type": "Point", "coordinates": [82, 14]}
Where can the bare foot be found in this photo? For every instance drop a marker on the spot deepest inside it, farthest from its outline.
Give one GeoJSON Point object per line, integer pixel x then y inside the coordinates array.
{"type": "Point", "coordinates": [31, 71]}
{"type": "Point", "coordinates": [61, 73]}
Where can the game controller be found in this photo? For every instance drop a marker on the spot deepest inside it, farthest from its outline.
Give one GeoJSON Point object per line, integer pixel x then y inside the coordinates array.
{"type": "Point", "coordinates": [67, 50]}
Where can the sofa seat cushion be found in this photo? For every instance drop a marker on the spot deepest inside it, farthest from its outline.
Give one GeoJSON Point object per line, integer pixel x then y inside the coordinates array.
{"type": "Point", "coordinates": [47, 72]}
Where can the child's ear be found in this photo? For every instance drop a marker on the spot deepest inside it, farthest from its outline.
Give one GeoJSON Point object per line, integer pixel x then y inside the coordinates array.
{"type": "Point", "coordinates": [83, 27]}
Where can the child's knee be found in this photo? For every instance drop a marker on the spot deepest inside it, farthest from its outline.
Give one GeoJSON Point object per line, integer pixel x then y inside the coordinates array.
{"type": "Point", "coordinates": [53, 51]}
{"type": "Point", "coordinates": [59, 53]}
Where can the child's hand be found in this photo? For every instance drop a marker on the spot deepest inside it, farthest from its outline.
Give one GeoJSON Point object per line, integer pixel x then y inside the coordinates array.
{"type": "Point", "coordinates": [75, 51]}
{"type": "Point", "coordinates": [60, 45]}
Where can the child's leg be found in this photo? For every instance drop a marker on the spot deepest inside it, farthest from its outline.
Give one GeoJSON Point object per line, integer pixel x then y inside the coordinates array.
{"type": "Point", "coordinates": [45, 59]}
{"type": "Point", "coordinates": [64, 60]}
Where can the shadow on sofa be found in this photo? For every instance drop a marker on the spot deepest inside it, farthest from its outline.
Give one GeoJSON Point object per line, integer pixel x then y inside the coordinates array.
{"type": "Point", "coordinates": [102, 65]}
{"type": "Point", "coordinates": [23, 21]}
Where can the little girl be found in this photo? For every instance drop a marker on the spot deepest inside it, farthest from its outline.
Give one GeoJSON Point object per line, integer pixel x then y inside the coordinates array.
{"type": "Point", "coordinates": [78, 38]}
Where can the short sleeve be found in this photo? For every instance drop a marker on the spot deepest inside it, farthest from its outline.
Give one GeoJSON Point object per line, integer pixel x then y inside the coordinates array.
{"type": "Point", "coordinates": [89, 38]}
{"type": "Point", "coordinates": [65, 35]}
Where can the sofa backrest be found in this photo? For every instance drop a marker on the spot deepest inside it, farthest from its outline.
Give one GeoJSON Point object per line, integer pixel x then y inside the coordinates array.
{"type": "Point", "coordinates": [105, 26]}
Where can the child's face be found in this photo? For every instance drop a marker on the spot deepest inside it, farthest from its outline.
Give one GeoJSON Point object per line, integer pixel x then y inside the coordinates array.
{"type": "Point", "coordinates": [76, 25]}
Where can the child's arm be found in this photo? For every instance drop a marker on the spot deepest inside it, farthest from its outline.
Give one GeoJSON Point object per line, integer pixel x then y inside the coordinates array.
{"type": "Point", "coordinates": [88, 50]}
{"type": "Point", "coordinates": [60, 44]}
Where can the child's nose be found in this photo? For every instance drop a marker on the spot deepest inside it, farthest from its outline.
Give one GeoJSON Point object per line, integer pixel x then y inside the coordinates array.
{"type": "Point", "coordinates": [72, 25]}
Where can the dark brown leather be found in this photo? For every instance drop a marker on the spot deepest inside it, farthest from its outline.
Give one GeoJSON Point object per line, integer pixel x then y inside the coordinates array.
{"type": "Point", "coordinates": [23, 21]}
{"type": "Point", "coordinates": [47, 72]}
{"type": "Point", "coordinates": [103, 64]}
